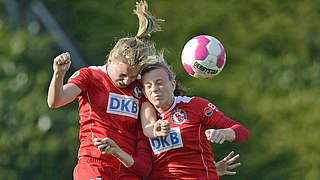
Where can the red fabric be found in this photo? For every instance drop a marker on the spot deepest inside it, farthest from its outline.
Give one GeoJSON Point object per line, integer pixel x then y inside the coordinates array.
{"type": "Point", "coordinates": [242, 133]}
{"type": "Point", "coordinates": [142, 158]}
{"type": "Point", "coordinates": [106, 111]}
{"type": "Point", "coordinates": [91, 168]}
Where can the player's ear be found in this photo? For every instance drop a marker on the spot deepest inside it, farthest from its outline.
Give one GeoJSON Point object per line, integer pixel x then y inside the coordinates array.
{"type": "Point", "coordinates": [109, 61]}
{"type": "Point", "coordinates": [144, 92]}
{"type": "Point", "coordinates": [174, 83]}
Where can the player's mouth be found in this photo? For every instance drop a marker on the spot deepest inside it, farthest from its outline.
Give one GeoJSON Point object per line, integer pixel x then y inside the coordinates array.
{"type": "Point", "coordinates": [156, 97]}
{"type": "Point", "coordinates": [121, 85]}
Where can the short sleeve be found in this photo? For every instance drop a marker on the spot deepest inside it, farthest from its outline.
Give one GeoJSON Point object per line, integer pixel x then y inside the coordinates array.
{"type": "Point", "coordinates": [80, 78]}
{"type": "Point", "coordinates": [210, 114]}
{"type": "Point", "coordinates": [214, 118]}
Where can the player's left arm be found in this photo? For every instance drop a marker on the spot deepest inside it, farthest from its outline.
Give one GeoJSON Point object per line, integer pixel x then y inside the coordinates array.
{"type": "Point", "coordinates": [231, 130]}
{"type": "Point", "coordinates": [223, 128]}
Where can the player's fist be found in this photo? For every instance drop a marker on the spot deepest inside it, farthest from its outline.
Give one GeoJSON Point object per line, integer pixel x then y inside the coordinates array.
{"type": "Point", "coordinates": [106, 145]}
{"type": "Point", "coordinates": [61, 63]}
{"type": "Point", "coordinates": [215, 136]}
{"type": "Point", "coordinates": [161, 128]}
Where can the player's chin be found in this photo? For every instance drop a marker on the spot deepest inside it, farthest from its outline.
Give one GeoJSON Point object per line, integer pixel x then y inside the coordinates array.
{"type": "Point", "coordinates": [155, 102]}
{"type": "Point", "coordinates": [121, 85]}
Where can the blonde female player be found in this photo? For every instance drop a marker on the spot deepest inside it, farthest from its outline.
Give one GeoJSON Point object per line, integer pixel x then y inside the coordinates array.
{"type": "Point", "coordinates": [110, 98]}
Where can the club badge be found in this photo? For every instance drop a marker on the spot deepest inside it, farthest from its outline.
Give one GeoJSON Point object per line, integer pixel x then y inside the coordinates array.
{"type": "Point", "coordinates": [178, 116]}
{"type": "Point", "coordinates": [137, 91]}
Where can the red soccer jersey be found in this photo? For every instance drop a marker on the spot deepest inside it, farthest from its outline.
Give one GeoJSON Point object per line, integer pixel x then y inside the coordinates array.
{"type": "Point", "coordinates": [186, 152]}
{"type": "Point", "coordinates": [106, 111]}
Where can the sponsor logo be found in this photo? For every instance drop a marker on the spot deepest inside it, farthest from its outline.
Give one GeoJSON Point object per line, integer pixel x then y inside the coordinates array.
{"type": "Point", "coordinates": [208, 111]}
{"type": "Point", "coordinates": [123, 105]}
{"type": "Point", "coordinates": [166, 143]}
{"type": "Point", "coordinates": [137, 91]}
{"type": "Point", "coordinates": [75, 74]}
{"type": "Point", "coordinates": [178, 116]}
{"type": "Point", "coordinates": [202, 68]}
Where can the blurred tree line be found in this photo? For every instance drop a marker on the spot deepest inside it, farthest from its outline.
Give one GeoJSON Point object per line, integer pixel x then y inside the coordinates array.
{"type": "Point", "coordinates": [271, 82]}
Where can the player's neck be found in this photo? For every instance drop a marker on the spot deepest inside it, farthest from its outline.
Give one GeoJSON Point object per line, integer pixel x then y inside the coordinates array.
{"type": "Point", "coordinates": [166, 106]}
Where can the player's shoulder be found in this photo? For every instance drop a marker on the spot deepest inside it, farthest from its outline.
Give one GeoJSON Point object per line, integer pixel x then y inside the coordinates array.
{"type": "Point", "coordinates": [102, 69]}
{"type": "Point", "coordinates": [201, 100]}
{"type": "Point", "coordinates": [87, 72]}
{"type": "Point", "coordinates": [183, 99]}
{"type": "Point", "coordinates": [191, 101]}
{"type": "Point", "coordinates": [93, 70]}
{"type": "Point", "coordinates": [188, 99]}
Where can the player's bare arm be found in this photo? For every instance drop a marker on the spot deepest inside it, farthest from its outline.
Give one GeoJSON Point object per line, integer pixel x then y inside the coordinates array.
{"type": "Point", "coordinates": [108, 146]}
{"type": "Point", "coordinates": [226, 164]}
{"type": "Point", "coordinates": [59, 94]}
{"type": "Point", "coordinates": [152, 127]}
{"type": "Point", "coordinates": [220, 135]}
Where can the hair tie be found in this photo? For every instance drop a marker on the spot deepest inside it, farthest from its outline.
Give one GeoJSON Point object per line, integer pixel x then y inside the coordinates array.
{"type": "Point", "coordinates": [166, 70]}
{"type": "Point", "coordinates": [137, 38]}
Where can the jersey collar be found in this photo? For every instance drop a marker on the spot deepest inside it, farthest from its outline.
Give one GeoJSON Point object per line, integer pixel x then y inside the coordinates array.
{"type": "Point", "coordinates": [170, 109]}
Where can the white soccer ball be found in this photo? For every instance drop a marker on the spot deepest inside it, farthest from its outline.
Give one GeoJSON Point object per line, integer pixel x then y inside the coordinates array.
{"type": "Point", "coordinates": [203, 57]}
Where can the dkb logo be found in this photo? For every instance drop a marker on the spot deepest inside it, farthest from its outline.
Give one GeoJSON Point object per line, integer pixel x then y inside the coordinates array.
{"type": "Point", "coordinates": [166, 143]}
{"type": "Point", "coordinates": [123, 105]}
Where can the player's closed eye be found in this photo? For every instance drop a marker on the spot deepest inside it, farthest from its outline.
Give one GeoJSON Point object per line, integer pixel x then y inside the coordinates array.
{"type": "Point", "coordinates": [159, 83]}
{"type": "Point", "coordinates": [147, 86]}
{"type": "Point", "coordinates": [122, 76]}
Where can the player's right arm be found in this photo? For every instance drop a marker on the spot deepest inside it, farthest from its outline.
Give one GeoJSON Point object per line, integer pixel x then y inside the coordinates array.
{"type": "Point", "coordinates": [59, 94]}
{"type": "Point", "coordinates": [140, 162]}
{"type": "Point", "coordinates": [152, 127]}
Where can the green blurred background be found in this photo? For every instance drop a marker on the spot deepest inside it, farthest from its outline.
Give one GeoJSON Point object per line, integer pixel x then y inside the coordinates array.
{"type": "Point", "coordinates": [270, 84]}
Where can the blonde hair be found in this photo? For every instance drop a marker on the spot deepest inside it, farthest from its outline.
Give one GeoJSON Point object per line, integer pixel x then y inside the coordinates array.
{"type": "Point", "coordinates": [133, 49]}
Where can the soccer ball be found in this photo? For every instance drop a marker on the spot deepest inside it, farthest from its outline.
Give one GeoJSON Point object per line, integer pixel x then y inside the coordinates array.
{"type": "Point", "coordinates": [203, 57]}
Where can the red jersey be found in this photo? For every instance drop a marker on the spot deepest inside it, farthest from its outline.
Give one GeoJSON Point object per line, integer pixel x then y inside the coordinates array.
{"type": "Point", "coordinates": [106, 111]}
{"type": "Point", "coordinates": [186, 152]}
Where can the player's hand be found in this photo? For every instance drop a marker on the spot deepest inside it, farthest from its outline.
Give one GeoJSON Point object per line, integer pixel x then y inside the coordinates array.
{"type": "Point", "coordinates": [215, 136]}
{"type": "Point", "coordinates": [106, 145]}
{"type": "Point", "coordinates": [225, 164]}
{"type": "Point", "coordinates": [61, 63]}
{"type": "Point", "coordinates": [161, 128]}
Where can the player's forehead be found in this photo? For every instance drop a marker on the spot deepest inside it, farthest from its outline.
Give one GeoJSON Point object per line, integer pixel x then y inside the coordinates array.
{"type": "Point", "coordinates": [125, 68]}
{"type": "Point", "coordinates": [155, 75]}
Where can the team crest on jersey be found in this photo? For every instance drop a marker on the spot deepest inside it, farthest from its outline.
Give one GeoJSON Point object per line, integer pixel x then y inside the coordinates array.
{"type": "Point", "coordinates": [208, 111]}
{"type": "Point", "coordinates": [75, 74]}
{"type": "Point", "coordinates": [137, 91]}
{"type": "Point", "coordinates": [166, 143]}
{"type": "Point", "coordinates": [179, 116]}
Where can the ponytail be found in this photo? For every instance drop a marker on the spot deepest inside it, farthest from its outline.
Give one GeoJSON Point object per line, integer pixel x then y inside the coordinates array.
{"type": "Point", "coordinates": [133, 49]}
